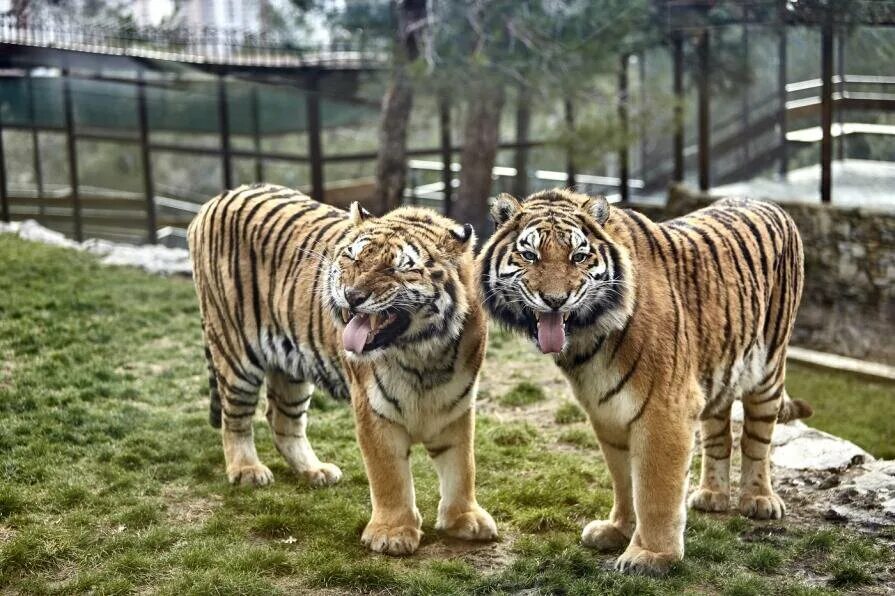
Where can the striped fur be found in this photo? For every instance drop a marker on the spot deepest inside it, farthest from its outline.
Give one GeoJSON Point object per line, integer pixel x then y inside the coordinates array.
{"type": "Point", "coordinates": [666, 325]}
{"type": "Point", "coordinates": [278, 276]}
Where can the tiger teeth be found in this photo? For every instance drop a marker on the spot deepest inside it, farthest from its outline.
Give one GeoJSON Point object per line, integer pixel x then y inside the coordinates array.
{"type": "Point", "coordinates": [346, 315]}
{"type": "Point", "coordinates": [374, 321]}
{"type": "Point", "coordinates": [565, 317]}
{"type": "Point", "coordinates": [537, 316]}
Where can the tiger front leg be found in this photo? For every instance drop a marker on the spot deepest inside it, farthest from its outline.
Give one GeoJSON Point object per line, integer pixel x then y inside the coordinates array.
{"type": "Point", "coordinates": [660, 445]}
{"type": "Point", "coordinates": [452, 453]}
{"type": "Point", "coordinates": [394, 526]}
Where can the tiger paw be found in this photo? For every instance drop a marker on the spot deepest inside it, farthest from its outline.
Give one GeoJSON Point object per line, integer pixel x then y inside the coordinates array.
{"type": "Point", "coordinates": [476, 524]}
{"type": "Point", "coordinates": [324, 475]}
{"type": "Point", "coordinates": [603, 535]}
{"type": "Point", "coordinates": [250, 475]}
{"type": "Point", "coordinates": [768, 506]}
{"type": "Point", "coordinates": [639, 561]}
{"type": "Point", "coordinates": [391, 540]}
{"type": "Point", "coordinates": [705, 499]}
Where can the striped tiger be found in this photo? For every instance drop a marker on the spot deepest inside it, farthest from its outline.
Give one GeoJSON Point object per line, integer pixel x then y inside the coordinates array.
{"type": "Point", "coordinates": [656, 327]}
{"type": "Point", "coordinates": [378, 310]}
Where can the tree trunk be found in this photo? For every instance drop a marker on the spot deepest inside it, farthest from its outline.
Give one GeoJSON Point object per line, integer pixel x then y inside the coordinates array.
{"type": "Point", "coordinates": [481, 135]}
{"type": "Point", "coordinates": [391, 163]}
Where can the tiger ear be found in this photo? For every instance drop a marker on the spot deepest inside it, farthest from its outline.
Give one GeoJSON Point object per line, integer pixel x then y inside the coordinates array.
{"type": "Point", "coordinates": [464, 234]}
{"type": "Point", "coordinates": [598, 208]}
{"type": "Point", "coordinates": [359, 214]}
{"type": "Point", "coordinates": [503, 208]}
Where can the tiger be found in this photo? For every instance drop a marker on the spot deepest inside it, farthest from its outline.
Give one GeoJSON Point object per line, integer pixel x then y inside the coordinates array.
{"type": "Point", "coordinates": [381, 311]}
{"type": "Point", "coordinates": [658, 327]}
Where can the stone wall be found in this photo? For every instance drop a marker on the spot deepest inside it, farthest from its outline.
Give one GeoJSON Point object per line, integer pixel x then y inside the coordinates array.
{"type": "Point", "coordinates": [848, 306]}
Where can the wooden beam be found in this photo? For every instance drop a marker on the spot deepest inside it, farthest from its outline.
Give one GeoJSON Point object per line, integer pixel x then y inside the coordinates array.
{"type": "Point", "coordinates": [315, 145]}
{"type": "Point", "coordinates": [224, 128]}
{"type": "Point", "coordinates": [826, 110]}
{"type": "Point", "coordinates": [447, 175]}
{"type": "Point", "coordinates": [703, 50]}
{"type": "Point", "coordinates": [677, 42]}
{"type": "Point", "coordinates": [71, 144]}
{"type": "Point", "coordinates": [146, 156]}
{"type": "Point", "coordinates": [523, 125]}
{"type": "Point", "coordinates": [624, 185]}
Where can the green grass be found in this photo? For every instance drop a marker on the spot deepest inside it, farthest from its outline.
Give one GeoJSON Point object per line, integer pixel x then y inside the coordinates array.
{"type": "Point", "coordinates": [568, 413]}
{"type": "Point", "coordinates": [523, 394]}
{"type": "Point", "coordinates": [112, 481]}
{"type": "Point", "coordinates": [849, 406]}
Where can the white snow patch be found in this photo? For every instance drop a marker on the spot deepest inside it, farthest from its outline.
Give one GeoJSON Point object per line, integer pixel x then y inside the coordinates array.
{"type": "Point", "coordinates": [151, 257]}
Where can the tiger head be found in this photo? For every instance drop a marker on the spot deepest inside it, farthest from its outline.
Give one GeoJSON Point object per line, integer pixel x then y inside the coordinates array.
{"type": "Point", "coordinates": [552, 269]}
{"type": "Point", "coordinates": [396, 281]}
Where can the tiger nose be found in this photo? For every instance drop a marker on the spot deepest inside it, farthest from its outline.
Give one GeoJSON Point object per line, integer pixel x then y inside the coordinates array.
{"type": "Point", "coordinates": [554, 301]}
{"type": "Point", "coordinates": [356, 297]}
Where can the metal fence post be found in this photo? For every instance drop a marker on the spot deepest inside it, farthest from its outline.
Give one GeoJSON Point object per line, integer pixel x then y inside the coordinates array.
{"type": "Point", "coordinates": [224, 127]}
{"type": "Point", "coordinates": [678, 141]}
{"type": "Point", "coordinates": [256, 135]}
{"type": "Point", "coordinates": [523, 124]}
{"type": "Point", "coordinates": [72, 153]}
{"type": "Point", "coordinates": [148, 187]}
{"type": "Point", "coordinates": [315, 146]}
{"type": "Point", "coordinates": [826, 108]}
{"type": "Point", "coordinates": [782, 46]}
{"type": "Point", "coordinates": [447, 175]}
{"type": "Point", "coordinates": [704, 112]}
{"type": "Point", "coordinates": [4, 199]}
{"type": "Point", "coordinates": [35, 141]}
{"type": "Point", "coordinates": [624, 185]}
{"type": "Point", "coordinates": [570, 127]}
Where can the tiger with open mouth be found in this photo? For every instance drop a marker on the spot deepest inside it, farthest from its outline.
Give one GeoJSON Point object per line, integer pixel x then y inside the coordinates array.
{"type": "Point", "coordinates": [657, 327]}
{"type": "Point", "coordinates": [381, 310]}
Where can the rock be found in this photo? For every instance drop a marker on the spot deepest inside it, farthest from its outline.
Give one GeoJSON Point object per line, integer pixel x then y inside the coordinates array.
{"type": "Point", "coordinates": [833, 515]}
{"type": "Point", "coordinates": [830, 482]}
{"type": "Point", "coordinates": [800, 447]}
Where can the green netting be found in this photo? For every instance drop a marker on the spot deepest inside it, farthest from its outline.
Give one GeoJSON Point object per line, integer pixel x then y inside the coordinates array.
{"type": "Point", "coordinates": [189, 107]}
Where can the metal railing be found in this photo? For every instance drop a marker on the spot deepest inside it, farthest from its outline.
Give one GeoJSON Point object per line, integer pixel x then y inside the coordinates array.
{"type": "Point", "coordinates": [185, 44]}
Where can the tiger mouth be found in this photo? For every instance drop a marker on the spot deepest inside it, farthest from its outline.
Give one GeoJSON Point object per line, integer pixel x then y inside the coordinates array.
{"type": "Point", "coordinates": [551, 331]}
{"type": "Point", "coordinates": [365, 332]}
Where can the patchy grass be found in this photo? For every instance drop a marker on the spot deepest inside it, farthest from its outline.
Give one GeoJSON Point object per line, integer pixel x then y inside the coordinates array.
{"type": "Point", "coordinates": [568, 413]}
{"type": "Point", "coordinates": [523, 394]}
{"type": "Point", "coordinates": [111, 480]}
{"type": "Point", "coordinates": [849, 406]}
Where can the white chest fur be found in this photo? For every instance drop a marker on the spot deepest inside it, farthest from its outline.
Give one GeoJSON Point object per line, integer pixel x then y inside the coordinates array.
{"type": "Point", "coordinates": [423, 406]}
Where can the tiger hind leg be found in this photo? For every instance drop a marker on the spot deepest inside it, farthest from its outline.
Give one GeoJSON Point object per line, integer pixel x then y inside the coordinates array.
{"type": "Point", "coordinates": [757, 497]}
{"type": "Point", "coordinates": [713, 493]}
{"type": "Point", "coordinates": [288, 402]}
{"type": "Point", "coordinates": [237, 411]}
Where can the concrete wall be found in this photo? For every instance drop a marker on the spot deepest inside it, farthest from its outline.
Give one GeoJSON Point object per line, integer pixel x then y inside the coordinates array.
{"type": "Point", "coordinates": [848, 306]}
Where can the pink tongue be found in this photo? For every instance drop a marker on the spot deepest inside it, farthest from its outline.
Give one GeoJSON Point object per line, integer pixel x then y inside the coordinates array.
{"type": "Point", "coordinates": [551, 334]}
{"type": "Point", "coordinates": [354, 338]}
